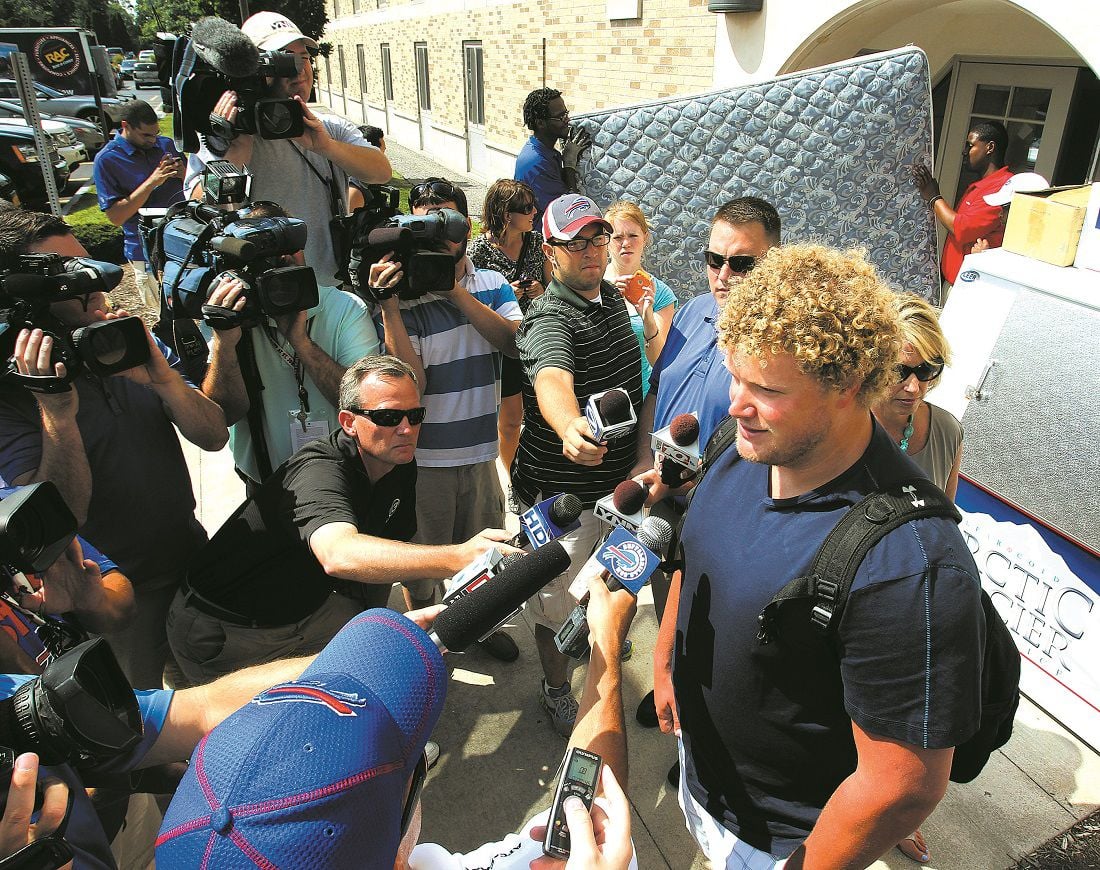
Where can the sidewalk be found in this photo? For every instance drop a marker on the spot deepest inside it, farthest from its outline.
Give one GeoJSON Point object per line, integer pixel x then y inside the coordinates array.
{"type": "Point", "coordinates": [415, 166]}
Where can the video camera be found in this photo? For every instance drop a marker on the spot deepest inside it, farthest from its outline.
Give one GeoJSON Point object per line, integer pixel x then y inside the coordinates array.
{"type": "Point", "coordinates": [31, 285]}
{"type": "Point", "coordinates": [197, 242]}
{"type": "Point", "coordinates": [216, 58]}
{"type": "Point", "coordinates": [378, 228]}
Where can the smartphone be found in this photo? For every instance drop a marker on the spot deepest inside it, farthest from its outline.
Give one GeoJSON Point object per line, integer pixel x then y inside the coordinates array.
{"type": "Point", "coordinates": [639, 282]}
{"type": "Point", "coordinates": [526, 281]}
{"type": "Point", "coordinates": [580, 771]}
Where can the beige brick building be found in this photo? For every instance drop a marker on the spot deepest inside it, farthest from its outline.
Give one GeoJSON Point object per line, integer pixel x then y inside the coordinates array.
{"type": "Point", "coordinates": [476, 61]}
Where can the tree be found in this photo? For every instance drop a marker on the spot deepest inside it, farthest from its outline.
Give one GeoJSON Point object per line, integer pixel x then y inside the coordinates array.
{"type": "Point", "coordinates": [176, 16]}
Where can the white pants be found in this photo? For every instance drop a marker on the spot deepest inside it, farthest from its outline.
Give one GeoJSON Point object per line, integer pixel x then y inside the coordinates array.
{"type": "Point", "coordinates": [147, 286]}
{"type": "Point", "coordinates": [722, 848]}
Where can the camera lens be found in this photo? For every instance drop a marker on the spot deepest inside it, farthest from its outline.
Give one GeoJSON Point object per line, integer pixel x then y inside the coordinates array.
{"type": "Point", "coordinates": [107, 346]}
{"type": "Point", "coordinates": [275, 119]}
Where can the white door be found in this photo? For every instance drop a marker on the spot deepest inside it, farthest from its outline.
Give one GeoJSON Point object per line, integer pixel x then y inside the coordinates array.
{"type": "Point", "coordinates": [1031, 101]}
{"type": "Point", "coordinates": [477, 159]}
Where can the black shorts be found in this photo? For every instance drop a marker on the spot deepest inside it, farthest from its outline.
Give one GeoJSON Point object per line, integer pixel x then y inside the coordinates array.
{"type": "Point", "coordinates": [511, 377]}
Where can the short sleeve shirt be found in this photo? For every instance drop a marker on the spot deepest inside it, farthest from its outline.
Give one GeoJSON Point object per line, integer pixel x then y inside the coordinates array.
{"type": "Point", "coordinates": [663, 297]}
{"type": "Point", "coordinates": [119, 169]}
{"type": "Point", "coordinates": [259, 563]}
{"type": "Point", "coordinates": [767, 728]}
{"type": "Point", "coordinates": [540, 168]}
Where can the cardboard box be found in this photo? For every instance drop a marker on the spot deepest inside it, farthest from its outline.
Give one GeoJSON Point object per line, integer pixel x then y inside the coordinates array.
{"type": "Point", "coordinates": [1088, 250]}
{"type": "Point", "coordinates": [1046, 225]}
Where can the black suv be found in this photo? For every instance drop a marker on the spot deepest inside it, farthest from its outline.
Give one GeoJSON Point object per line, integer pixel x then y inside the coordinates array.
{"type": "Point", "coordinates": [19, 162]}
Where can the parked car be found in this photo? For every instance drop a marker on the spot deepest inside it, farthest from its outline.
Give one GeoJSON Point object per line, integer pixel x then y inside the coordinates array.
{"type": "Point", "coordinates": [57, 103]}
{"type": "Point", "coordinates": [147, 56]}
{"type": "Point", "coordinates": [146, 75]}
{"type": "Point", "coordinates": [126, 71]}
{"type": "Point", "coordinates": [88, 132]}
{"type": "Point", "coordinates": [19, 161]}
{"type": "Point", "coordinates": [8, 193]}
{"type": "Point", "coordinates": [60, 135]}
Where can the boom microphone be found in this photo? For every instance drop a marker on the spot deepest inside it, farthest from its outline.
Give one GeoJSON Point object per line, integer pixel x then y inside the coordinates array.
{"type": "Point", "coordinates": [475, 615]}
{"type": "Point", "coordinates": [225, 47]}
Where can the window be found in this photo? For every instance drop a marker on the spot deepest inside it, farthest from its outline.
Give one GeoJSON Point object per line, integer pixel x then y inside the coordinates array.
{"type": "Point", "coordinates": [387, 72]}
{"type": "Point", "coordinates": [475, 82]}
{"type": "Point", "coordinates": [423, 91]}
{"type": "Point", "coordinates": [343, 72]}
{"type": "Point", "coordinates": [361, 61]}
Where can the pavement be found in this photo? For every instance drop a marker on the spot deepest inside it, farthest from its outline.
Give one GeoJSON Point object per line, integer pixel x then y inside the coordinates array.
{"type": "Point", "coordinates": [499, 752]}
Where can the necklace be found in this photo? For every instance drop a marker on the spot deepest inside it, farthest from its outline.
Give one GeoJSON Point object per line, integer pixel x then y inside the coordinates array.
{"type": "Point", "coordinates": [907, 434]}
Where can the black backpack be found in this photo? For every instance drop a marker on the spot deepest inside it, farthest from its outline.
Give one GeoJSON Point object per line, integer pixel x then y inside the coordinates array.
{"type": "Point", "coordinates": [824, 592]}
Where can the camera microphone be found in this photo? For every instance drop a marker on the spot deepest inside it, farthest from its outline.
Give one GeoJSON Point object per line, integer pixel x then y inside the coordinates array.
{"type": "Point", "coordinates": [389, 237]}
{"type": "Point", "coordinates": [475, 615]}
{"type": "Point", "coordinates": [225, 47]}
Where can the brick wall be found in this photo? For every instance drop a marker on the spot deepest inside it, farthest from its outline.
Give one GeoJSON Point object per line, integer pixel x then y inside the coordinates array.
{"type": "Point", "coordinates": [595, 62]}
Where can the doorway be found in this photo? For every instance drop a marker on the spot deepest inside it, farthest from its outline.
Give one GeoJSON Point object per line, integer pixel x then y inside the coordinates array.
{"type": "Point", "coordinates": [477, 159]}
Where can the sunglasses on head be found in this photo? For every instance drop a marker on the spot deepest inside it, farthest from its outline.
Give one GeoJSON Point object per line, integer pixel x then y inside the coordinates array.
{"type": "Point", "coordinates": [391, 416]}
{"type": "Point", "coordinates": [925, 372]}
{"type": "Point", "coordinates": [737, 263]}
{"type": "Point", "coordinates": [419, 774]}
{"type": "Point", "coordinates": [432, 188]}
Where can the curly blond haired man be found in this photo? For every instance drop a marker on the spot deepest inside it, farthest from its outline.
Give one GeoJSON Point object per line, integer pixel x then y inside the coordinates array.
{"type": "Point", "coordinates": [795, 754]}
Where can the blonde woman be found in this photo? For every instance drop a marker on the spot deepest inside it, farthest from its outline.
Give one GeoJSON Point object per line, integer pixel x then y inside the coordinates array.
{"type": "Point", "coordinates": [649, 300]}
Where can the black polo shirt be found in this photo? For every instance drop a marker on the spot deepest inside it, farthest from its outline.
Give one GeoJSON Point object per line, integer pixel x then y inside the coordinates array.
{"type": "Point", "coordinates": [259, 564]}
{"type": "Point", "coordinates": [595, 342]}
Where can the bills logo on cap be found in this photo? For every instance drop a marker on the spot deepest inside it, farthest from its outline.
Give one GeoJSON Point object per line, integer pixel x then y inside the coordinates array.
{"type": "Point", "coordinates": [281, 24]}
{"type": "Point", "coordinates": [340, 703]}
{"type": "Point", "coordinates": [579, 206]}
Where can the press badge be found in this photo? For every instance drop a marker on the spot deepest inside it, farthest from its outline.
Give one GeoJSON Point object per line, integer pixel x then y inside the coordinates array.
{"type": "Point", "coordinates": [303, 430]}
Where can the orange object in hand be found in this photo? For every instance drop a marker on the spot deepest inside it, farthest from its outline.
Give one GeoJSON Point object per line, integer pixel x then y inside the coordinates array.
{"type": "Point", "coordinates": [637, 285]}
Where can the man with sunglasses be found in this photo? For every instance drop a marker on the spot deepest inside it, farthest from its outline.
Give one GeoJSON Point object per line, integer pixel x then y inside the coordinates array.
{"type": "Point", "coordinates": [576, 341]}
{"type": "Point", "coordinates": [334, 519]}
{"type": "Point", "coordinates": [308, 174]}
{"type": "Point", "coordinates": [548, 172]}
{"type": "Point", "coordinates": [453, 342]}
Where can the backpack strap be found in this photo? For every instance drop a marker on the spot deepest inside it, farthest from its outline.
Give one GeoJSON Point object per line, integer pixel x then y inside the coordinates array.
{"type": "Point", "coordinates": [834, 567]}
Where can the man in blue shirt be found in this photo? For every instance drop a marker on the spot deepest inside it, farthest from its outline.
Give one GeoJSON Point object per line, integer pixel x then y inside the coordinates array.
{"type": "Point", "coordinates": [138, 169]}
{"type": "Point", "coordinates": [548, 172]}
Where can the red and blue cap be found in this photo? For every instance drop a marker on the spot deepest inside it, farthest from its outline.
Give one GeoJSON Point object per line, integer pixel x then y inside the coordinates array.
{"type": "Point", "coordinates": [313, 773]}
{"type": "Point", "coordinates": [568, 215]}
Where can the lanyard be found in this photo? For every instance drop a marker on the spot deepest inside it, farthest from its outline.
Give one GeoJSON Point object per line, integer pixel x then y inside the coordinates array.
{"type": "Point", "coordinates": [295, 364]}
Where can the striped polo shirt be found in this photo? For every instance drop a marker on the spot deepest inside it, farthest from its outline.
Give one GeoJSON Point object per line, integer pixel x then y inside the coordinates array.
{"type": "Point", "coordinates": [462, 389]}
{"type": "Point", "coordinates": [593, 341]}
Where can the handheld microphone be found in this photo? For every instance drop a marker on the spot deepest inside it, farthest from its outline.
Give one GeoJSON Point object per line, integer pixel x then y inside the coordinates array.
{"type": "Point", "coordinates": [610, 414]}
{"type": "Point", "coordinates": [624, 507]}
{"type": "Point", "coordinates": [549, 519]}
{"type": "Point", "coordinates": [677, 451]}
{"type": "Point", "coordinates": [477, 615]}
{"type": "Point", "coordinates": [225, 47]}
{"type": "Point", "coordinates": [653, 537]}
{"type": "Point", "coordinates": [625, 558]}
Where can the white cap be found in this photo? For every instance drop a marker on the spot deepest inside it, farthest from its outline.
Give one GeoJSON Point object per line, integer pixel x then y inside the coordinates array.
{"type": "Point", "coordinates": [273, 32]}
{"type": "Point", "coordinates": [1021, 182]}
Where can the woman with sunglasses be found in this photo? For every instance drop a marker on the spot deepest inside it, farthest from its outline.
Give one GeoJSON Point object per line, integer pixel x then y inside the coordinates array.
{"type": "Point", "coordinates": [512, 246]}
{"type": "Point", "coordinates": [931, 436]}
{"type": "Point", "coordinates": [648, 299]}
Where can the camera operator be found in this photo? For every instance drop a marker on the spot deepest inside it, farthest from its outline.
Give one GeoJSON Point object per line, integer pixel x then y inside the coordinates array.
{"type": "Point", "coordinates": [335, 516]}
{"type": "Point", "coordinates": [119, 464]}
{"type": "Point", "coordinates": [451, 340]}
{"type": "Point", "coordinates": [298, 361]}
{"type": "Point", "coordinates": [310, 171]}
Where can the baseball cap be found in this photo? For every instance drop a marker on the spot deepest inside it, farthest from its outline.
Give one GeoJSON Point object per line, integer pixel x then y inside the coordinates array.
{"type": "Point", "coordinates": [273, 32]}
{"type": "Point", "coordinates": [1021, 182]}
{"type": "Point", "coordinates": [313, 773]}
{"type": "Point", "coordinates": [568, 215]}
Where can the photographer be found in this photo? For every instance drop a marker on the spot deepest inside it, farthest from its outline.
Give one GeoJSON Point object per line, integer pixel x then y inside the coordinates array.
{"type": "Point", "coordinates": [322, 538]}
{"type": "Point", "coordinates": [452, 341]}
{"type": "Point", "coordinates": [138, 168]}
{"type": "Point", "coordinates": [119, 464]}
{"type": "Point", "coordinates": [311, 170]}
{"type": "Point", "coordinates": [298, 360]}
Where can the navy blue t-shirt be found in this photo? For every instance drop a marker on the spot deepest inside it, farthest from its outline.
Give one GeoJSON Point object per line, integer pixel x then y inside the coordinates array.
{"type": "Point", "coordinates": [768, 727]}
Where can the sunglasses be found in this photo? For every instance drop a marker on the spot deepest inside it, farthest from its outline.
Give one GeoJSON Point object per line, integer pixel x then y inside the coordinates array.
{"type": "Point", "coordinates": [432, 188]}
{"type": "Point", "coordinates": [925, 372]}
{"type": "Point", "coordinates": [390, 417]}
{"type": "Point", "coordinates": [575, 246]}
{"type": "Point", "coordinates": [419, 774]}
{"type": "Point", "coordinates": [526, 208]}
{"type": "Point", "coordinates": [739, 263]}
{"type": "Point", "coordinates": [560, 117]}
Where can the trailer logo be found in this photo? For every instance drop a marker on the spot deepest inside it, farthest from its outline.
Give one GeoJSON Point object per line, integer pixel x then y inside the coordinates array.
{"type": "Point", "coordinates": [57, 56]}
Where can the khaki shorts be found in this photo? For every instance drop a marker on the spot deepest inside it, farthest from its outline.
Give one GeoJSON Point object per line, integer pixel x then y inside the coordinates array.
{"type": "Point", "coordinates": [553, 604]}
